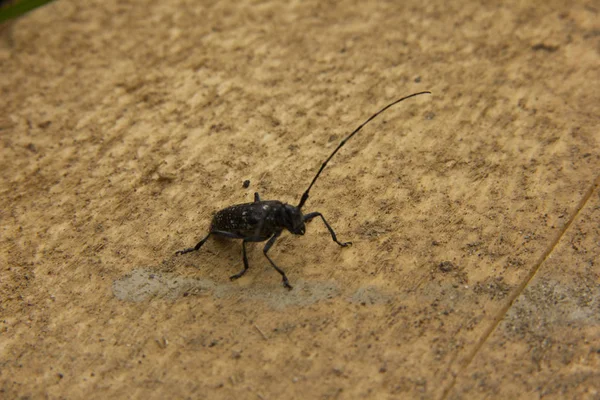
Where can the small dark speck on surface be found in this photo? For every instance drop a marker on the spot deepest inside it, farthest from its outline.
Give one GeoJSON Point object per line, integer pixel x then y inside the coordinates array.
{"type": "Point", "coordinates": [246, 184]}
{"type": "Point", "coordinates": [446, 266]}
{"type": "Point", "coordinates": [544, 47]}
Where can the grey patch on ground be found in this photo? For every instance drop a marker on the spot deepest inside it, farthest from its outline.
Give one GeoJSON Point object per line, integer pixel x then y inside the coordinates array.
{"type": "Point", "coordinates": [143, 284]}
{"type": "Point", "coordinates": [370, 295]}
{"type": "Point", "coordinates": [550, 305]}
{"type": "Point", "coordinates": [304, 293]}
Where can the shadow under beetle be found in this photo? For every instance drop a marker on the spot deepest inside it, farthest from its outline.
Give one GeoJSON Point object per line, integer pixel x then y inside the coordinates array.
{"type": "Point", "coordinates": [265, 219]}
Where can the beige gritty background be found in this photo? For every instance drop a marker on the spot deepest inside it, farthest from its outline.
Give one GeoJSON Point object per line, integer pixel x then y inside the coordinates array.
{"type": "Point", "coordinates": [474, 213]}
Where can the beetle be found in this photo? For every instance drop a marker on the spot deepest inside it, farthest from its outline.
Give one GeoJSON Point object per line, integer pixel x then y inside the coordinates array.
{"type": "Point", "coordinates": [265, 220]}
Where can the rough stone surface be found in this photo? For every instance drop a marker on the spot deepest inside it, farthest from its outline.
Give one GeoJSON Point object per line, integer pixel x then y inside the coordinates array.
{"type": "Point", "coordinates": [473, 212]}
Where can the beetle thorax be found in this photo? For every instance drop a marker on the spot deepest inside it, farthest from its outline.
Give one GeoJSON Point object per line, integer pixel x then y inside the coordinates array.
{"type": "Point", "coordinates": [292, 219]}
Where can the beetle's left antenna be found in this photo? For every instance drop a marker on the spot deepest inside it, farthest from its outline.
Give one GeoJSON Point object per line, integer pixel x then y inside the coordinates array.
{"type": "Point", "coordinates": [305, 194]}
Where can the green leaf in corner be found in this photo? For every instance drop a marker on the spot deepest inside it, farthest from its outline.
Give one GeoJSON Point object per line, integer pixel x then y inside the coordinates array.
{"type": "Point", "coordinates": [19, 8]}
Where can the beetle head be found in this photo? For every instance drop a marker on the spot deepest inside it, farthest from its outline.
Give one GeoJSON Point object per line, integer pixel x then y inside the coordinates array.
{"type": "Point", "coordinates": [293, 220]}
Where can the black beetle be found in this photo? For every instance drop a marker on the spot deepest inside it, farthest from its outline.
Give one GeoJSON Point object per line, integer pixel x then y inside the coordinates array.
{"type": "Point", "coordinates": [266, 219]}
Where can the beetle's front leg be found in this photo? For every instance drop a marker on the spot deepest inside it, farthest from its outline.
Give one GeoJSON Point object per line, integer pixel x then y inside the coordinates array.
{"type": "Point", "coordinates": [312, 215]}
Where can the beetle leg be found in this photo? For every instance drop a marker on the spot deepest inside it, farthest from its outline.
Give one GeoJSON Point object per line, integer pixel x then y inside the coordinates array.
{"type": "Point", "coordinates": [245, 257]}
{"type": "Point", "coordinates": [312, 215]}
{"type": "Point", "coordinates": [256, 197]}
{"type": "Point", "coordinates": [286, 283]}
{"type": "Point", "coordinates": [196, 247]}
{"type": "Point", "coordinates": [200, 243]}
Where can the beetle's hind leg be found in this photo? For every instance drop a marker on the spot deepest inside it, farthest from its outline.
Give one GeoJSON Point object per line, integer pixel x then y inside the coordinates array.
{"type": "Point", "coordinates": [196, 247]}
{"type": "Point", "coordinates": [242, 272]}
{"type": "Point", "coordinates": [200, 243]}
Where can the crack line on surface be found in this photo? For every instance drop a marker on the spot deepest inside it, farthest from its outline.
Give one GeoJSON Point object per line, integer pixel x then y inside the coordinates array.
{"type": "Point", "coordinates": [504, 310]}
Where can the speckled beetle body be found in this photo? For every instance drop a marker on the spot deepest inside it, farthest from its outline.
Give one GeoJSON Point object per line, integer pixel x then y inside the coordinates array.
{"type": "Point", "coordinates": [259, 219]}
{"type": "Point", "coordinates": [265, 220]}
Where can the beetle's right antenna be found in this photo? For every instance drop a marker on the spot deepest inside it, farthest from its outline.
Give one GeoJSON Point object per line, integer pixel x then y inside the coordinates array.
{"type": "Point", "coordinates": [305, 194]}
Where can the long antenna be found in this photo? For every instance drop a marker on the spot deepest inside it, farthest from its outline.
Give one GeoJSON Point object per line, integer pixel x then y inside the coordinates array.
{"type": "Point", "coordinates": [305, 194]}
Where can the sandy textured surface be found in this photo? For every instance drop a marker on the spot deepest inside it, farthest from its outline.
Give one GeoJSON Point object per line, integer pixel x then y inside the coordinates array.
{"type": "Point", "coordinates": [474, 212]}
